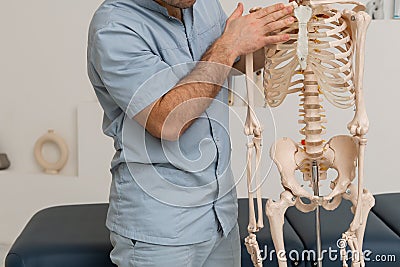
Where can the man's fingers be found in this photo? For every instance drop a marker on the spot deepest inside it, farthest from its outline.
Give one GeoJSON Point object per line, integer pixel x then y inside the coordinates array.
{"type": "Point", "coordinates": [275, 39]}
{"type": "Point", "coordinates": [238, 12]}
{"type": "Point", "coordinates": [278, 15]}
{"type": "Point", "coordinates": [269, 10]}
{"type": "Point", "coordinates": [279, 24]}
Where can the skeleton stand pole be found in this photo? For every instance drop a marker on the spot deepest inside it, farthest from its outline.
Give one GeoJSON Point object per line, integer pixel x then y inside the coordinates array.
{"type": "Point", "coordinates": [315, 176]}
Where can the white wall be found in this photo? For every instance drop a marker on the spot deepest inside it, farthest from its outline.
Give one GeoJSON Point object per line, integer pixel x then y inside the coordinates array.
{"type": "Point", "coordinates": [44, 85]}
{"type": "Point", "coordinates": [43, 80]}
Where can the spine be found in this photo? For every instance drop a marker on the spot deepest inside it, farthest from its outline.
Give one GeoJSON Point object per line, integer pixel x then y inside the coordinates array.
{"type": "Point", "coordinates": [312, 116]}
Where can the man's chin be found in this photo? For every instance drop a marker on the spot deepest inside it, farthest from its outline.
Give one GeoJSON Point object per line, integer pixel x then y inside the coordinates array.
{"type": "Point", "coordinates": [185, 4]}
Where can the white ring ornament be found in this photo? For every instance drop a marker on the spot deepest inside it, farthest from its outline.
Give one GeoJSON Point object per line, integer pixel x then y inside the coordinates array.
{"type": "Point", "coordinates": [51, 167]}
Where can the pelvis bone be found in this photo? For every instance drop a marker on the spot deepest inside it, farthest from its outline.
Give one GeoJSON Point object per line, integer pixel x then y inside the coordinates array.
{"type": "Point", "coordinates": [340, 153]}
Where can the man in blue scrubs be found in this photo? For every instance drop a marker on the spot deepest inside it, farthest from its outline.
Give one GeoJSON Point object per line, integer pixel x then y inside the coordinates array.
{"type": "Point", "coordinates": [158, 69]}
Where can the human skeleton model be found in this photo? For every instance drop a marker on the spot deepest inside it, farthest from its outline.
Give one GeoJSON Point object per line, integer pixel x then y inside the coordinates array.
{"type": "Point", "coordinates": [324, 57]}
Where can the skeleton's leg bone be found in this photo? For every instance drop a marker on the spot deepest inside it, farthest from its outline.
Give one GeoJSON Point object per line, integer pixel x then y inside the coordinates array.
{"type": "Point", "coordinates": [276, 215]}
{"type": "Point", "coordinates": [367, 204]}
{"type": "Point", "coordinates": [349, 236]}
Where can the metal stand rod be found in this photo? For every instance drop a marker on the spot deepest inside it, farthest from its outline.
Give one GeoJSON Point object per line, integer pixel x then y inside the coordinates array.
{"type": "Point", "coordinates": [315, 177]}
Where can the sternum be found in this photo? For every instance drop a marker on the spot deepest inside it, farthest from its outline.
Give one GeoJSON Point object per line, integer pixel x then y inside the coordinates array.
{"type": "Point", "coordinates": [312, 114]}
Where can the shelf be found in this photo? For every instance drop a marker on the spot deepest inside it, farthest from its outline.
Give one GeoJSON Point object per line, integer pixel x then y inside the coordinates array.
{"type": "Point", "coordinates": [39, 175]}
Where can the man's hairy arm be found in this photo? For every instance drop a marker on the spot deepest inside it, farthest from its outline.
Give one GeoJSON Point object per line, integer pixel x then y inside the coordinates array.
{"type": "Point", "coordinates": [172, 114]}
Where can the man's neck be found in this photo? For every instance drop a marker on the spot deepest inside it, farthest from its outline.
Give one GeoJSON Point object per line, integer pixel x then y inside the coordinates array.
{"type": "Point", "coordinates": [172, 11]}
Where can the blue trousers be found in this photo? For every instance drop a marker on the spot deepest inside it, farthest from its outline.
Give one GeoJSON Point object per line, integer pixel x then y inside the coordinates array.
{"type": "Point", "coordinates": [217, 252]}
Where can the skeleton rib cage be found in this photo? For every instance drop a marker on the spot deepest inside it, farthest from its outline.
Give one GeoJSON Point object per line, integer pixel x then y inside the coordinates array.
{"type": "Point", "coordinates": [324, 57]}
{"type": "Point", "coordinates": [330, 58]}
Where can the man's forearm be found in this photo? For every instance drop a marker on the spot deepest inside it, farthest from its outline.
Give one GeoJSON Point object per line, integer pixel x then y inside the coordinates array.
{"type": "Point", "coordinates": [173, 113]}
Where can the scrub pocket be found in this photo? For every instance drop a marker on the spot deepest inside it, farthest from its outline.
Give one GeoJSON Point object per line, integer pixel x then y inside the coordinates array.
{"type": "Point", "coordinates": [123, 252]}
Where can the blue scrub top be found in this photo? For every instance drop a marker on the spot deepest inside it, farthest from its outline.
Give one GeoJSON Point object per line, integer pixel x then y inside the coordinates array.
{"type": "Point", "coordinates": [162, 192]}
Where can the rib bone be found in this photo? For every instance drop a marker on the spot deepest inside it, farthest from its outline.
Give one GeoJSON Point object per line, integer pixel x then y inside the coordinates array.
{"type": "Point", "coordinates": [330, 56]}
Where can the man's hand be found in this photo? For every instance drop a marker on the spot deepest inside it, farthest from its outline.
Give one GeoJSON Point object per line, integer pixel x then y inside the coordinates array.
{"type": "Point", "coordinates": [247, 34]}
{"type": "Point", "coordinates": [171, 115]}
